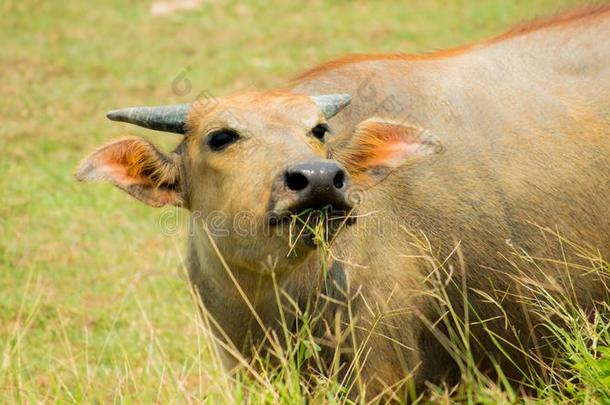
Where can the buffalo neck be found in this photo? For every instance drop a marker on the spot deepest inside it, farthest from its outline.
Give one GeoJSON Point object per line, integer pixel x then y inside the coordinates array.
{"type": "Point", "coordinates": [239, 299]}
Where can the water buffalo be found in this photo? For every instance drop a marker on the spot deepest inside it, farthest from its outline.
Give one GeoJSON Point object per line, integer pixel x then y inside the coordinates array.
{"type": "Point", "coordinates": [466, 155]}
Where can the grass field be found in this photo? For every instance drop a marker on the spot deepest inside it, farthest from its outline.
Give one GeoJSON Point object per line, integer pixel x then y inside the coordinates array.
{"type": "Point", "coordinates": [94, 304]}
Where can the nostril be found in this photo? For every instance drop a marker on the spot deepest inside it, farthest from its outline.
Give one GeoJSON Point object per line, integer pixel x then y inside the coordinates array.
{"type": "Point", "coordinates": [339, 180]}
{"type": "Point", "coordinates": [296, 181]}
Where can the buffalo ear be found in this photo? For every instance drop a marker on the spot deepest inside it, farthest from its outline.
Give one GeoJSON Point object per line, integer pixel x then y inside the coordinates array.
{"type": "Point", "coordinates": [137, 167]}
{"type": "Point", "coordinates": [379, 146]}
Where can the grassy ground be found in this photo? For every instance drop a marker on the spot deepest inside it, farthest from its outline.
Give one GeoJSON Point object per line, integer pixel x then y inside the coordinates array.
{"type": "Point", "coordinates": [93, 300]}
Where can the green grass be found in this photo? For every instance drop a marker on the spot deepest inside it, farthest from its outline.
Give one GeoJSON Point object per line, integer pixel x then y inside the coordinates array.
{"type": "Point", "coordinates": [94, 303]}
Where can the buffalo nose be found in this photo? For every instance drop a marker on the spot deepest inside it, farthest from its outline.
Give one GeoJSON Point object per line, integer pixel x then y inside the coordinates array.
{"type": "Point", "coordinates": [319, 177]}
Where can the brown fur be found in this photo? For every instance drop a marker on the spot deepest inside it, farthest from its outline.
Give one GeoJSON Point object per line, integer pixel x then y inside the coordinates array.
{"type": "Point", "coordinates": [357, 58]}
{"type": "Point", "coordinates": [582, 15]}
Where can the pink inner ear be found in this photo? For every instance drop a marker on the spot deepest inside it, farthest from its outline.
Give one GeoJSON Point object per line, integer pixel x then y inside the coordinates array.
{"type": "Point", "coordinates": [115, 173]}
{"type": "Point", "coordinates": [394, 154]}
{"type": "Point", "coordinates": [378, 147]}
{"type": "Point", "coordinates": [389, 144]}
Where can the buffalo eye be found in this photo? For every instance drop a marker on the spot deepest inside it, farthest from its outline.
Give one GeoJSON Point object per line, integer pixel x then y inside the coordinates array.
{"type": "Point", "coordinates": [319, 131]}
{"type": "Point", "coordinates": [218, 140]}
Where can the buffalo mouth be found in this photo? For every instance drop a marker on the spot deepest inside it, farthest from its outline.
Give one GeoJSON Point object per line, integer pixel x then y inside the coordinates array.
{"type": "Point", "coordinates": [312, 225]}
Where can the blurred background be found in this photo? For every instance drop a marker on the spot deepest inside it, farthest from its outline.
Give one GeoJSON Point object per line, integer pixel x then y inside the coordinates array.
{"type": "Point", "coordinates": [94, 302]}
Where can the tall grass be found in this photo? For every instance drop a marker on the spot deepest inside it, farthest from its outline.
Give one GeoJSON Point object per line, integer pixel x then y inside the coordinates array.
{"type": "Point", "coordinates": [294, 370]}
